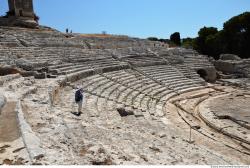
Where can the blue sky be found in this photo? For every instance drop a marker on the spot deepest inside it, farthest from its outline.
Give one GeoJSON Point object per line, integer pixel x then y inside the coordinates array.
{"type": "Point", "coordinates": [137, 18]}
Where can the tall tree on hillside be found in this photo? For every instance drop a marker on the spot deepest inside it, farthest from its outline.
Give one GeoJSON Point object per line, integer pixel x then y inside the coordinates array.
{"type": "Point", "coordinates": [176, 38]}
{"type": "Point", "coordinates": [205, 35]}
{"type": "Point", "coordinates": [237, 35]}
{"type": "Point", "coordinates": [188, 42]}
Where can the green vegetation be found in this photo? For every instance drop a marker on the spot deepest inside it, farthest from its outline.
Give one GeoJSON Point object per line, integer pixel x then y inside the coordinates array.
{"type": "Point", "coordinates": [176, 38]}
{"type": "Point", "coordinates": [234, 38]}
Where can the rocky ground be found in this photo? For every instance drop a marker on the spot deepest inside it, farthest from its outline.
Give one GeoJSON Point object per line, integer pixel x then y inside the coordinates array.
{"type": "Point", "coordinates": [101, 136]}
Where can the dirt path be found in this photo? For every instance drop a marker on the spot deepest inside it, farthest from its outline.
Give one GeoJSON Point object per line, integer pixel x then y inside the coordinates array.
{"type": "Point", "coordinates": [9, 129]}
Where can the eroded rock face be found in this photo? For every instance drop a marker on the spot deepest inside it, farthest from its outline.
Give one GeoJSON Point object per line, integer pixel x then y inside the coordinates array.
{"type": "Point", "coordinates": [229, 57]}
{"type": "Point", "coordinates": [2, 102]}
{"type": "Point", "coordinates": [232, 64]}
{"type": "Point", "coordinates": [27, 65]}
{"type": "Point", "coordinates": [25, 23]}
{"type": "Point", "coordinates": [208, 74]}
{"type": "Point", "coordinates": [6, 70]}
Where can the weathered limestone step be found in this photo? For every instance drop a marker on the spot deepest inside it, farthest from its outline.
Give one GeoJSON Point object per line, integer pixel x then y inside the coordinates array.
{"type": "Point", "coordinates": [31, 141]}
{"type": "Point", "coordinates": [73, 70]}
{"type": "Point", "coordinates": [136, 101]}
{"type": "Point", "coordinates": [9, 127]}
{"type": "Point", "coordinates": [90, 80]}
{"type": "Point", "coordinates": [180, 83]}
{"type": "Point", "coordinates": [65, 68]}
{"type": "Point", "coordinates": [8, 78]}
{"type": "Point", "coordinates": [189, 89]}
{"type": "Point", "coordinates": [170, 78]}
{"type": "Point", "coordinates": [130, 96]}
{"type": "Point", "coordinates": [105, 90]}
{"type": "Point", "coordinates": [109, 90]}
{"type": "Point", "coordinates": [147, 89]}
{"type": "Point", "coordinates": [15, 83]}
{"type": "Point", "coordinates": [24, 91]}
{"type": "Point", "coordinates": [98, 89]}
{"type": "Point", "coordinates": [78, 75]}
{"type": "Point", "coordinates": [113, 93]}
{"type": "Point", "coordinates": [122, 96]}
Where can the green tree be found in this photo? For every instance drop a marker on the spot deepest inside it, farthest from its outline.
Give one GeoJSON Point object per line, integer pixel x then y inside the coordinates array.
{"type": "Point", "coordinates": [188, 42]}
{"type": "Point", "coordinates": [176, 38]}
{"type": "Point", "coordinates": [201, 40]}
{"type": "Point", "coordinates": [153, 39]}
{"type": "Point", "coordinates": [233, 39]}
{"type": "Point", "coordinates": [237, 35]}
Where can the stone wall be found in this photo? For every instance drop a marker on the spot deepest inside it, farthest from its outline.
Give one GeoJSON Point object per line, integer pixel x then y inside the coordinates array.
{"type": "Point", "coordinates": [22, 8]}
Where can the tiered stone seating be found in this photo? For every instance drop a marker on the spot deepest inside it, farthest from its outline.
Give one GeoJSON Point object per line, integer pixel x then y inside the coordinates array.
{"type": "Point", "coordinates": [170, 77]}
{"type": "Point", "coordinates": [189, 73]}
{"type": "Point", "coordinates": [70, 61]}
{"type": "Point", "coordinates": [141, 91]}
{"type": "Point", "coordinates": [197, 61]}
{"type": "Point", "coordinates": [98, 66]}
{"type": "Point", "coordinates": [84, 55]}
{"type": "Point", "coordinates": [113, 41]}
{"type": "Point", "coordinates": [138, 56]}
{"type": "Point", "coordinates": [111, 130]}
{"type": "Point", "coordinates": [185, 56]}
{"type": "Point", "coordinates": [129, 90]}
{"type": "Point", "coordinates": [3, 61]}
{"type": "Point", "coordinates": [8, 41]}
{"type": "Point", "coordinates": [43, 38]}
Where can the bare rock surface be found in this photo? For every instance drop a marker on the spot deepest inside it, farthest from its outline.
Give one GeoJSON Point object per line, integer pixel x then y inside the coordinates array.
{"type": "Point", "coordinates": [2, 101]}
{"type": "Point", "coordinates": [234, 107]}
{"type": "Point", "coordinates": [229, 57]}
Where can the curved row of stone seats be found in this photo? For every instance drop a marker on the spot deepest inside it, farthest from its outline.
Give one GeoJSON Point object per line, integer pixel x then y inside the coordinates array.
{"type": "Point", "coordinates": [52, 38]}
{"type": "Point", "coordinates": [103, 87]}
{"type": "Point", "coordinates": [185, 57]}
{"type": "Point", "coordinates": [110, 41]}
{"type": "Point", "coordinates": [181, 51]}
{"type": "Point", "coordinates": [36, 58]}
{"type": "Point", "coordinates": [144, 60]}
{"type": "Point", "coordinates": [103, 125]}
{"type": "Point", "coordinates": [99, 65]}
{"type": "Point", "coordinates": [50, 53]}
{"type": "Point", "coordinates": [43, 38]}
{"type": "Point", "coordinates": [84, 55]}
{"type": "Point", "coordinates": [137, 99]}
{"type": "Point", "coordinates": [197, 61]}
{"type": "Point", "coordinates": [189, 73]}
{"type": "Point", "coordinates": [107, 65]}
{"type": "Point", "coordinates": [137, 56]}
{"type": "Point", "coordinates": [141, 91]}
{"type": "Point", "coordinates": [131, 51]}
{"type": "Point", "coordinates": [170, 77]}
{"type": "Point", "coordinates": [8, 41]}
{"type": "Point", "coordinates": [29, 33]}
{"type": "Point", "coordinates": [68, 68]}
{"type": "Point", "coordinates": [56, 42]}
{"type": "Point", "coordinates": [3, 61]}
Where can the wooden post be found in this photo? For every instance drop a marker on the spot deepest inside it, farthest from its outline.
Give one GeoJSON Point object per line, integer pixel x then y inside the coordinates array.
{"type": "Point", "coordinates": [190, 135]}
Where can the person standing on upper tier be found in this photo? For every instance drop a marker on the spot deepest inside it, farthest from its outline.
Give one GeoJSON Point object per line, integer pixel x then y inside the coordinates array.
{"type": "Point", "coordinates": [79, 100]}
